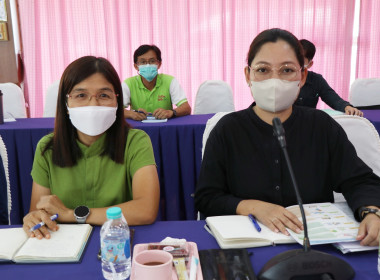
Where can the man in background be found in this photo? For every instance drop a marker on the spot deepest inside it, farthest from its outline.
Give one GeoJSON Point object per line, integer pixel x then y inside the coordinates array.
{"type": "Point", "coordinates": [150, 93]}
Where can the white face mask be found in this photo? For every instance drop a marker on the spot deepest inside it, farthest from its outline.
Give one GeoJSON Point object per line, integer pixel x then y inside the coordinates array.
{"type": "Point", "coordinates": [275, 95]}
{"type": "Point", "coordinates": [92, 120]}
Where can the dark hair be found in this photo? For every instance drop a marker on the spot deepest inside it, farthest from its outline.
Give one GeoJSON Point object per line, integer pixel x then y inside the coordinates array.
{"type": "Point", "coordinates": [273, 35]}
{"type": "Point", "coordinates": [308, 49]}
{"type": "Point", "coordinates": [143, 49]}
{"type": "Point", "coordinates": [66, 151]}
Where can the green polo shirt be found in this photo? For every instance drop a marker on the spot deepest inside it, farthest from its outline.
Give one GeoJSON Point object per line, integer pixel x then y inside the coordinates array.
{"type": "Point", "coordinates": [95, 181]}
{"type": "Point", "coordinates": [159, 97]}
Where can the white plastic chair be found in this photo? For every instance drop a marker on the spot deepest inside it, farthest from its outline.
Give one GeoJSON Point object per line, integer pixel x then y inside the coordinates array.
{"type": "Point", "coordinates": [365, 93]}
{"type": "Point", "coordinates": [124, 88]}
{"type": "Point", "coordinates": [365, 138]}
{"type": "Point", "coordinates": [210, 126]}
{"type": "Point", "coordinates": [4, 158]}
{"type": "Point", "coordinates": [13, 101]}
{"type": "Point", "coordinates": [214, 96]}
{"type": "Point", "coordinates": [51, 97]}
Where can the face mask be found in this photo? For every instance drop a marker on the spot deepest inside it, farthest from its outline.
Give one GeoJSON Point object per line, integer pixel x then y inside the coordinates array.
{"type": "Point", "coordinates": [92, 120]}
{"type": "Point", "coordinates": [275, 95]}
{"type": "Point", "coordinates": [148, 71]}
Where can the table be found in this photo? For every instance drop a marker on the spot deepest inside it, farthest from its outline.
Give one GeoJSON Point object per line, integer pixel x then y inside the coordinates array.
{"type": "Point", "coordinates": [177, 147]}
{"type": "Point", "coordinates": [374, 117]}
{"type": "Point", "coordinates": [364, 263]}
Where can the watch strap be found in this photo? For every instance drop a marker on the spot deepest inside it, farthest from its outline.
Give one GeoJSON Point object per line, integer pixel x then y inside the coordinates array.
{"type": "Point", "coordinates": [364, 211]}
{"type": "Point", "coordinates": [174, 114]}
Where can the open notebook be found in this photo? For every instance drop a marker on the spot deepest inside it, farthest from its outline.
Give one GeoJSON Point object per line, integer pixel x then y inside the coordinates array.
{"type": "Point", "coordinates": [237, 231]}
{"type": "Point", "coordinates": [326, 222]}
{"type": "Point", "coordinates": [65, 245]}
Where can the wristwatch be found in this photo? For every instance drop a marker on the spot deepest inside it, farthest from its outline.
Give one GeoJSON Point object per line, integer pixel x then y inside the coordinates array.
{"type": "Point", "coordinates": [364, 211]}
{"type": "Point", "coordinates": [81, 213]}
{"type": "Point", "coordinates": [174, 113]}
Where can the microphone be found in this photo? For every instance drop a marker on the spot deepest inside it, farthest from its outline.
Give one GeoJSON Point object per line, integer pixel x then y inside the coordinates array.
{"type": "Point", "coordinates": [302, 263]}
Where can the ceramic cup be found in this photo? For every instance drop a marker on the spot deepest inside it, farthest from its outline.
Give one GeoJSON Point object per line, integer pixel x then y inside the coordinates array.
{"type": "Point", "coordinates": [152, 264]}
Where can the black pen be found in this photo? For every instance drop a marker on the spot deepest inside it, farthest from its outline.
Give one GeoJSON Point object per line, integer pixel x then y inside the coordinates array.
{"type": "Point", "coordinates": [253, 220]}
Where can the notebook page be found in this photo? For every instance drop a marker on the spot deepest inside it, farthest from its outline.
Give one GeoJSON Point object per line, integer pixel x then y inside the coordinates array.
{"type": "Point", "coordinates": [11, 240]}
{"type": "Point", "coordinates": [67, 242]}
{"type": "Point", "coordinates": [240, 227]}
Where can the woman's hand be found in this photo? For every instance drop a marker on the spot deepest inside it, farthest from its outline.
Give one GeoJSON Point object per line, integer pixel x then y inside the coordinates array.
{"type": "Point", "coordinates": [52, 204]}
{"type": "Point", "coordinates": [349, 110]}
{"type": "Point", "coordinates": [275, 217]}
{"type": "Point", "coordinates": [35, 217]}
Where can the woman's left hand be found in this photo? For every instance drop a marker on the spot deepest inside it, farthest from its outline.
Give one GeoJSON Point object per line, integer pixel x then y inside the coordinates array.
{"type": "Point", "coordinates": [369, 230]}
{"type": "Point", "coordinates": [52, 204]}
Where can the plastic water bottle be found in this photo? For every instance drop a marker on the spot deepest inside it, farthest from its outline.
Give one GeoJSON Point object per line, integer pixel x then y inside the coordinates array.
{"type": "Point", "coordinates": [115, 246]}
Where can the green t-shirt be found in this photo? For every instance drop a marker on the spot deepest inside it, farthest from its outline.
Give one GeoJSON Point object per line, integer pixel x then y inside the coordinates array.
{"type": "Point", "coordinates": [159, 97]}
{"type": "Point", "coordinates": [95, 181]}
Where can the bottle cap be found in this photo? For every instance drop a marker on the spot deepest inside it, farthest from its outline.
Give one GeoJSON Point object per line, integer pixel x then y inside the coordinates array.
{"type": "Point", "coordinates": [113, 213]}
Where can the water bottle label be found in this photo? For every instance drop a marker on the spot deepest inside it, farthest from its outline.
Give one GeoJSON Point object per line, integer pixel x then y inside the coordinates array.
{"type": "Point", "coordinates": [115, 252]}
{"type": "Point", "coordinates": [127, 249]}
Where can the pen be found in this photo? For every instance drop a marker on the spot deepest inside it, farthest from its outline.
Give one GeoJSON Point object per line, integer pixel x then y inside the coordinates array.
{"type": "Point", "coordinates": [253, 220]}
{"type": "Point", "coordinates": [141, 112]}
{"type": "Point", "coordinates": [37, 226]}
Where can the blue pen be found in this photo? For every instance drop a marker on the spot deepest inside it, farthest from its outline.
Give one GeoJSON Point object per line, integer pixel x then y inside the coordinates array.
{"type": "Point", "coordinates": [37, 226]}
{"type": "Point", "coordinates": [141, 112]}
{"type": "Point", "coordinates": [254, 222]}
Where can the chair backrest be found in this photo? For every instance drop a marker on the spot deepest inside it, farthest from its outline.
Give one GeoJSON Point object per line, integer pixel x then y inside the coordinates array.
{"type": "Point", "coordinates": [365, 138]}
{"type": "Point", "coordinates": [5, 188]}
{"type": "Point", "coordinates": [209, 127]}
{"type": "Point", "coordinates": [51, 97]}
{"type": "Point", "coordinates": [214, 96]}
{"type": "Point", "coordinates": [13, 101]}
{"type": "Point", "coordinates": [365, 93]}
{"type": "Point", "coordinates": [124, 88]}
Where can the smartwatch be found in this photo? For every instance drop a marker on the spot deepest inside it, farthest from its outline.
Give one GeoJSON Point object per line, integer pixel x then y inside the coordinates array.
{"type": "Point", "coordinates": [364, 211]}
{"type": "Point", "coordinates": [174, 113]}
{"type": "Point", "coordinates": [81, 213]}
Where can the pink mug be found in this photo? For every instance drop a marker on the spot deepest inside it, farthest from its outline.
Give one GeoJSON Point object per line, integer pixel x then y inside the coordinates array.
{"type": "Point", "coordinates": [152, 264]}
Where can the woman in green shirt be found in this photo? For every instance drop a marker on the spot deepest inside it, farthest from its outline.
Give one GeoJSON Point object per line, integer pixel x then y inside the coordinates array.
{"type": "Point", "coordinates": [93, 160]}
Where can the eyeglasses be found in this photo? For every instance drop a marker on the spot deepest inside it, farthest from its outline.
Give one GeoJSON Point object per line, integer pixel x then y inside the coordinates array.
{"type": "Point", "coordinates": [82, 98]}
{"type": "Point", "coordinates": [264, 71]}
{"type": "Point", "coordinates": [145, 62]}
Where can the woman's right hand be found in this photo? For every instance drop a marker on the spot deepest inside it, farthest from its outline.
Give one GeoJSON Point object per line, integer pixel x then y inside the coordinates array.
{"type": "Point", "coordinates": [35, 217]}
{"type": "Point", "coordinates": [274, 216]}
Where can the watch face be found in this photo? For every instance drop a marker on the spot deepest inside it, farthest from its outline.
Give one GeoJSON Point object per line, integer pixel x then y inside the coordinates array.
{"type": "Point", "coordinates": [81, 211]}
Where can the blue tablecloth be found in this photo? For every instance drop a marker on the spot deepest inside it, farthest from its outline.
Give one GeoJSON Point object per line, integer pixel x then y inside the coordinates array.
{"type": "Point", "coordinates": [374, 117]}
{"type": "Point", "coordinates": [177, 148]}
{"type": "Point", "coordinates": [364, 263]}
